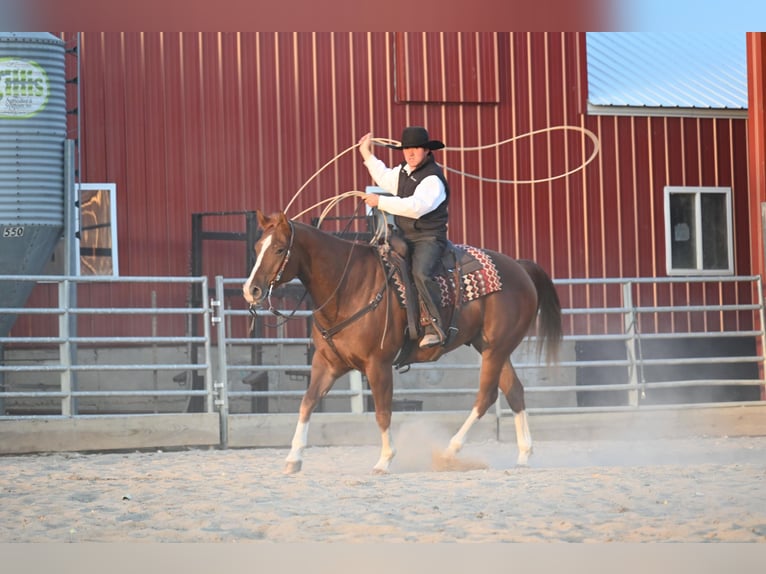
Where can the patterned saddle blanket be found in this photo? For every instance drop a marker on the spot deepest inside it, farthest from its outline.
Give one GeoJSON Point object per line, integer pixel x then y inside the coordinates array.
{"type": "Point", "coordinates": [466, 273]}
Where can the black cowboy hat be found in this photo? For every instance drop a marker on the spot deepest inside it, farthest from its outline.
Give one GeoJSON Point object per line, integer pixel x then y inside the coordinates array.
{"type": "Point", "coordinates": [416, 136]}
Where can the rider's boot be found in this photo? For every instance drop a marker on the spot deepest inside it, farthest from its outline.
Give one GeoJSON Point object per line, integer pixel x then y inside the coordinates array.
{"type": "Point", "coordinates": [434, 334]}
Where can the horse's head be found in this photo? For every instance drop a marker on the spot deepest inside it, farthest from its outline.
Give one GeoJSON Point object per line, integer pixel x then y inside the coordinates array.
{"type": "Point", "coordinates": [272, 254]}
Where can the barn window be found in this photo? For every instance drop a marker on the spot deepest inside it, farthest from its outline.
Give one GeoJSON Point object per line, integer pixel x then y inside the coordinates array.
{"type": "Point", "coordinates": [98, 229]}
{"type": "Point", "coordinates": [698, 231]}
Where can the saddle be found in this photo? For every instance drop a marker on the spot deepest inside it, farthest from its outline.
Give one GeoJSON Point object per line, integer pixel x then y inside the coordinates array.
{"type": "Point", "coordinates": [463, 273]}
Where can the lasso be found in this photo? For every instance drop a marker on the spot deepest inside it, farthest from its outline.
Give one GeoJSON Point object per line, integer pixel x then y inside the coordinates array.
{"type": "Point", "coordinates": [382, 228]}
{"type": "Point", "coordinates": [333, 201]}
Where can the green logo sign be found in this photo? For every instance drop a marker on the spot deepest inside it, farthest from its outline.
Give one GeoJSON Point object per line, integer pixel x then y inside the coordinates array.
{"type": "Point", "coordinates": [24, 88]}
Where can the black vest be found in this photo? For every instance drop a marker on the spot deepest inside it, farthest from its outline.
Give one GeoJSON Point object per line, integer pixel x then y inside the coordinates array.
{"type": "Point", "coordinates": [433, 223]}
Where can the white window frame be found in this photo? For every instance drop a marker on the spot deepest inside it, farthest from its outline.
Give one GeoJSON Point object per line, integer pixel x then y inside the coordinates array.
{"type": "Point", "coordinates": [698, 192]}
{"type": "Point", "coordinates": [111, 189]}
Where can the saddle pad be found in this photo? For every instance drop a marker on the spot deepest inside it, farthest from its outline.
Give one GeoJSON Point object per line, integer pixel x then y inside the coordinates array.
{"type": "Point", "coordinates": [476, 280]}
{"type": "Point", "coordinates": [478, 277]}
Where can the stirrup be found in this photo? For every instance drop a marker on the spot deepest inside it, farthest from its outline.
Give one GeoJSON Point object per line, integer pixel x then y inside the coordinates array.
{"type": "Point", "coordinates": [430, 340]}
{"type": "Point", "coordinates": [433, 336]}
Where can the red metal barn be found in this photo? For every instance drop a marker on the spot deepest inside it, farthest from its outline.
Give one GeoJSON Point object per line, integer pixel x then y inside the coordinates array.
{"type": "Point", "coordinates": [186, 123]}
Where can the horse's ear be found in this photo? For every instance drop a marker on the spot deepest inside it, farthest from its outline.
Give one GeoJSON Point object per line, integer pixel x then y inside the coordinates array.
{"type": "Point", "coordinates": [281, 218]}
{"type": "Point", "coordinates": [262, 219]}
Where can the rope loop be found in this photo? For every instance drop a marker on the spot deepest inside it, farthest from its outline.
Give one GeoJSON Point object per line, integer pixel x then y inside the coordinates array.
{"type": "Point", "coordinates": [333, 201]}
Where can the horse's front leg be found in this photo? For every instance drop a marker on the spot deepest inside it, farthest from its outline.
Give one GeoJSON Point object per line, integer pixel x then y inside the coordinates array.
{"type": "Point", "coordinates": [381, 379]}
{"type": "Point", "coordinates": [322, 380]}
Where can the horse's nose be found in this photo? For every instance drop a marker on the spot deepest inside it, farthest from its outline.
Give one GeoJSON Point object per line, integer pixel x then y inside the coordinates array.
{"type": "Point", "coordinates": [253, 293]}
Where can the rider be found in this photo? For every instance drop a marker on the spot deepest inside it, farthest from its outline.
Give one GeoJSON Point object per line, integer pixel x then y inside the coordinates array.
{"type": "Point", "coordinates": [419, 205]}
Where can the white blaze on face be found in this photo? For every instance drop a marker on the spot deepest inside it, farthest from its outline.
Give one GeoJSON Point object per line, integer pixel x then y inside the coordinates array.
{"type": "Point", "coordinates": [247, 287]}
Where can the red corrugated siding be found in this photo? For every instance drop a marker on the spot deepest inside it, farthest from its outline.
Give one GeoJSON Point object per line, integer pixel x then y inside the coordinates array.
{"type": "Point", "coordinates": [191, 122]}
{"type": "Point", "coordinates": [456, 67]}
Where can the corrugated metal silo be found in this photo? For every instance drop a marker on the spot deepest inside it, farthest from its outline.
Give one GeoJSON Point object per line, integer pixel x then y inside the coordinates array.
{"type": "Point", "coordinates": [32, 134]}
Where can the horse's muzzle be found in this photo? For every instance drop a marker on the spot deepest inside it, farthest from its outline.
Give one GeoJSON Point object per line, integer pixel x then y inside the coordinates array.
{"type": "Point", "coordinates": [253, 295]}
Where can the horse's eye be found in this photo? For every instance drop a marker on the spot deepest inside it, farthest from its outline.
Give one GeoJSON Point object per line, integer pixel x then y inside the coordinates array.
{"type": "Point", "coordinates": [280, 250]}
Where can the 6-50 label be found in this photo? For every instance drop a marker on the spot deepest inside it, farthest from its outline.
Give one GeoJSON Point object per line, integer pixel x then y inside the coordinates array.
{"type": "Point", "coordinates": [13, 231]}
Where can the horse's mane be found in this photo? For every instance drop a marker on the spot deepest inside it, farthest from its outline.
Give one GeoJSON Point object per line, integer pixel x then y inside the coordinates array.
{"type": "Point", "coordinates": [332, 236]}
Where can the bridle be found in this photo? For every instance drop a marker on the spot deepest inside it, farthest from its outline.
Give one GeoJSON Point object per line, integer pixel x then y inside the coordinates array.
{"type": "Point", "coordinates": [327, 333]}
{"type": "Point", "coordinates": [285, 261]}
{"type": "Point", "coordinates": [276, 279]}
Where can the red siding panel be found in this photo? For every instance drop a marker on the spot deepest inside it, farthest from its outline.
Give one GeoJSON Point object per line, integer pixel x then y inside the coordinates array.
{"type": "Point", "coordinates": [457, 67]}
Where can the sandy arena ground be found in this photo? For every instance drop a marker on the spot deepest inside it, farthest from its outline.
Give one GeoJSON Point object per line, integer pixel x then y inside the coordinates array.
{"type": "Point", "coordinates": [686, 490]}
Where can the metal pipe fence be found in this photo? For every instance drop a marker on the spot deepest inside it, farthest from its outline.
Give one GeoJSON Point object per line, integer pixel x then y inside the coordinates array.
{"type": "Point", "coordinates": [222, 359]}
{"type": "Point", "coordinates": [633, 364]}
{"type": "Point", "coordinates": [63, 359]}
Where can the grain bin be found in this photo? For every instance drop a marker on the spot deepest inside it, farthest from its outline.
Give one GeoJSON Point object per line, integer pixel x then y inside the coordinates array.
{"type": "Point", "coordinates": [32, 134]}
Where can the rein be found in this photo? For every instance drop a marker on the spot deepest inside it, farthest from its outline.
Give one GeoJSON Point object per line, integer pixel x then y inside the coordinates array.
{"type": "Point", "coordinates": [278, 276]}
{"type": "Point", "coordinates": [327, 334]}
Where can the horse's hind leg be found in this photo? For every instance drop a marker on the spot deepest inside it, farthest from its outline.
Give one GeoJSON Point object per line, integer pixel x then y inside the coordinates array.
{"type": "Point", "coordinates": [514, 394]}
{"type": "Point", "coordinates": [488, 381]}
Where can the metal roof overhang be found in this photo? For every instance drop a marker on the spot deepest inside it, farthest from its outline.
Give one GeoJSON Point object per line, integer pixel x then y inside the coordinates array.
{"type": "Point", "coordinates": [667, 74]}
{"type": "Point", "coordinates": [664, 111]}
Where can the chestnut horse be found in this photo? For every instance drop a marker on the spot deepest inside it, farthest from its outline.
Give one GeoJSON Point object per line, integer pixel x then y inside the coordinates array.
{"type": "Point", "coordinates": [359, 324]}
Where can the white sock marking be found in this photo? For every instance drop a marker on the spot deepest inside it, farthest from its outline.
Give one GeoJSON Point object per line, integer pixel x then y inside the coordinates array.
{"type": "Point", "coordinates": [300, 440]}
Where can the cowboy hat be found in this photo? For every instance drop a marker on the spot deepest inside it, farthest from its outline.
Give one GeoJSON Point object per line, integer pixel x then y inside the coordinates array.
{"type": "Point", "coordinates": [416, 136]}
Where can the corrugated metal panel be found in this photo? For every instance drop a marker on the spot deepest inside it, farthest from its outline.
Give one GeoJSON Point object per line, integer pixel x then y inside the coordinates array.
{"type": "Point", "coordinates": [458, 67]}
{"type": "Point", "coordinates": [32, 133]}
{"type": "Point", "coordinates": [32, 129]}
{"type": "Point", "coordinates": [185, 123]}
{"type": "Point", "coordinates": [681, 69]}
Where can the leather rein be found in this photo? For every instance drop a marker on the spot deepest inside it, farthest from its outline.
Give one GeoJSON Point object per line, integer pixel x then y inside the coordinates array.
{"type": "Point", "coordinates": [327, 333]}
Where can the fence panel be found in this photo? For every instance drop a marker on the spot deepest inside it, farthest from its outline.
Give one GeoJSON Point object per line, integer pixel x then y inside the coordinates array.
{"type": "Point", "coordinates": [649, 344]}
{"type": "Point", "coordinates": [635, 351]}
{"type": "Point", "coordinates": [159, 367]}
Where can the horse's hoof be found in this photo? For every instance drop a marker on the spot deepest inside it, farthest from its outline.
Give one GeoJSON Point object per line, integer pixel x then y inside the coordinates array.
{"type": "Point", "coordinates": [379, 471]}
{"type": "Point", "coordinates": [292, 467]}
{"type": "Point", "coordinates": [523, 459]}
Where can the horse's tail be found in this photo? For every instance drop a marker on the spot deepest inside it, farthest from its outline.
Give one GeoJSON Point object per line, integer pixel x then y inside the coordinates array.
{"type": "Point", "coordinates": [549, 331]}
